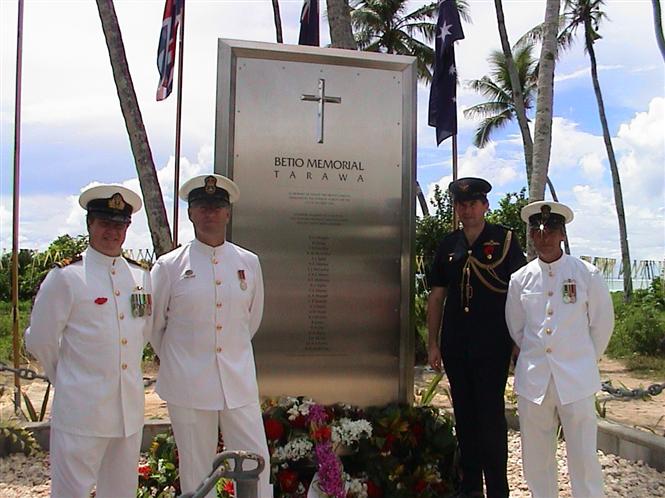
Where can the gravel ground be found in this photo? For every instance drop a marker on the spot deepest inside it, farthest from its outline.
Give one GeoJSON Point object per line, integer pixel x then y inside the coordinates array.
{"type": "Point", "coordinates": [22, 477]}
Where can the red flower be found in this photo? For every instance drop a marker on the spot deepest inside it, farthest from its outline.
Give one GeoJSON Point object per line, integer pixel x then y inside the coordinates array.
{"type": "Point", "coordinates": [100, 300]}
{"type": "Point", "coordinates": [488, 250]}
{"type": "Point", "coordinates": [288, 480]}
{"type": "Point", "coordinates": [229, 488]}
{"type": "Point", "coordinates": [300, 422]}
{"type": "Point", "coordinates": [419, 486]}
{"type": "Point", "coordinates": [322, 433]}
{"type": "Point", "coordinates": [145, 470]}
{"type": "Point", "coordinates": [373, 490]}
{"type": "Point", "coordinates": [274, 429]}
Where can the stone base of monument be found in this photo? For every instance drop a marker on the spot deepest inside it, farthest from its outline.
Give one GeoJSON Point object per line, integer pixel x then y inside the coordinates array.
{"type": "Point", "coordinates": [625, 442]}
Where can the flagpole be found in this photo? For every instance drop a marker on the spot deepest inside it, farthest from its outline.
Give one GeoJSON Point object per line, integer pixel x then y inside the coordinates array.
{"type": "Point", "coordinates": [15, 210]}
{"type": "Point", "coordinates": [178, 122]}
{"type": "Point", "coordinates": [454, 154]}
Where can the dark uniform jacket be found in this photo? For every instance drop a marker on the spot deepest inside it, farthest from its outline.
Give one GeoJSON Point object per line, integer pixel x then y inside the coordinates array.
{"type": "Point", "coordinates": [477, 280]}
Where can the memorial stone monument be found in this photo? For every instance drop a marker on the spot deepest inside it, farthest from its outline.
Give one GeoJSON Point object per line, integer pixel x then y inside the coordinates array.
{"type": "Point", "coordinates": [322, 144]}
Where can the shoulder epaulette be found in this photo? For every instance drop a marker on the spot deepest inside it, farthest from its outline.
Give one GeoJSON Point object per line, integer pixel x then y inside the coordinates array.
{"type": "Point", "coordinates": [135, 263]}
{"type": "Point", "coordinates": [67, 261]}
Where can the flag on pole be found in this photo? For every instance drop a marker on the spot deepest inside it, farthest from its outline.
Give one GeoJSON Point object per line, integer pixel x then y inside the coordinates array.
{"type": "Point", "coordinates": [167, 44]}
{"type": "Point", "coordinates": [443, 92]}
{"type": "Point", "coordinates": [309, 23]}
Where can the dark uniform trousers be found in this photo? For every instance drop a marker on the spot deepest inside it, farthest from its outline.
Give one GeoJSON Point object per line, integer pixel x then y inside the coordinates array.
{"type": "Point", "coordinates": [477, 390]}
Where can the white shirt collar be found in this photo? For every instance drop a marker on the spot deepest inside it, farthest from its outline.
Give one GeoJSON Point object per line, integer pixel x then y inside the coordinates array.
{"type": "Point", "coordinates": [554, 264]}
{"type": "Point", "coordinates": [99, 258]}
{"type": "Point", "coordinates": [205, 248]}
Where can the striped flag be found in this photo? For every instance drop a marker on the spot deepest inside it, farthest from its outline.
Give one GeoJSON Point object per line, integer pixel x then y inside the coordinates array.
{"type": "Point", "coordinates": [443, 92]}
{"type": "Point", "coordinates": [167, 44]}
{"type": "Point", "coordinates": [309, 23]}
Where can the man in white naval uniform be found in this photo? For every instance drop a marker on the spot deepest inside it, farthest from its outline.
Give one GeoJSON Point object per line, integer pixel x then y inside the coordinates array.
{"type": "Point", "coordinates": [89, 323]}
{"type": "Point", "coordinates": [559, 313]}
{"type": "Point", "coordinates": [208, 306]}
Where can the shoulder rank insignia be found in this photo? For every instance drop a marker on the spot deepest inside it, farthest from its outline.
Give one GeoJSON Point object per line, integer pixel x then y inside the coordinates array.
{"type": "Point", "coordinates": [67, 261]}
{"type": "Point", "coordinates": [136, 263]}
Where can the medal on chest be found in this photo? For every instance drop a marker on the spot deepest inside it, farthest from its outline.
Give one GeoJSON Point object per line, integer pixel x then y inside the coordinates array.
{"type": "Point", "coordinates": [141, 302]}
{"type": "Point", "coordinates": [569, 291]}
{"type": "Point", "coordinates": [489, 247]}
{"type": "Point", "coordinates": [242, 279]}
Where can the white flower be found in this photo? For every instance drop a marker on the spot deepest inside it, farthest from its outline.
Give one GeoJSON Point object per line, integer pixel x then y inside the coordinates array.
{"type": "Point", "coordinates": [355, 487]}
{"type": "Point", "coordinates": [294, 450]}
{"type": "Point", "coordinates": [348, 432]}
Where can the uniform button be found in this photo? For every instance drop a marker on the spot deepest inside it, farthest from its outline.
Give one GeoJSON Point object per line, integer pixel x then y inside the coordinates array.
{"type": "Point", "coordinates": [121, 316]}
{"type": "Point", "coordinates": [124, 366]}
{"type": "Point", "coordinates": [214, 261]}
{"type": "Point", "coordinates": [466, 309]}
{"type": "Point", "coordinates": [550, 293]}
{"type": "Point", "coordinates": [219, 349]}
{"type": "Point", "coordinates": [469, 251]}
{"type": "Point", "coordinates": [550, 312]}
{"type": "Point", "coordinates": [219, 305]}
{"type": "Point", "coordinates": [548, 331]}
{"type": "Point", "coordinates": [218, 282]}
{"type": "Point", "coordinates": [112, 272]}
{"type": "Point", "coordinates": [548, 350]}
{"type": "Point", "coordinates": [123, 341]}
{"type": "Point", "coordinates": [117, 292]}
{"type": "Point", "coordinates": [219, 327]}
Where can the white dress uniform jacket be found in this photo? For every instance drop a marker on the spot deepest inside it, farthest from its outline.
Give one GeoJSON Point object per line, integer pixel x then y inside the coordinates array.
{"type": "Point", "coordinates": [558, 339]}
{"type": "Point", "coordinates": [83, 333]}
{"type": "Point", "coordinates": [208, 306]}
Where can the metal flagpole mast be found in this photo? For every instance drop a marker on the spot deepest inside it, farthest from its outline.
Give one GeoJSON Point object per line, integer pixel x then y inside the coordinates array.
{"type": "Point", "coordinates": [178, 122]}
{"type": "Point", "coordinates": [15, 211]}
{"type": "Point", "coordinates": [454, 153]}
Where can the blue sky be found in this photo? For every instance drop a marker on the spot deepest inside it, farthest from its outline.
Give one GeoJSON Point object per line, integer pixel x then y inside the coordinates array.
{"type": "Point", "coordinates": [73, 133]}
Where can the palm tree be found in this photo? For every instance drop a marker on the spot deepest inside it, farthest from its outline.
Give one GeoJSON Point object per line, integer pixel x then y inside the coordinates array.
{"type": "Point", "coordinates": [501, 108]}
{"type": "Point", "coordinates": [138, 138]}
{"type": "Point", "coordinates": [385, 26]}
{"type": "Point", "coordinates": [503, 104]}
{"type": "Point", "coordinates": [588, 14]}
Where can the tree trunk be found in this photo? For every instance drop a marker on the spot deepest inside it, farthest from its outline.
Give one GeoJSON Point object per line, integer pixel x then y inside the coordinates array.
{"type": "Point", "coordinates": [616, 180]}
{"type": "Point", "coordinates": [278, 21]}
{"type": "Point", "coordinates": [421, 200]}
{"type": "Point", "coordinates": [658, 26]}
{"type": "Point", "coordinates": [339, 21]}
{"type": "Point", "coordinates": [545, 103]}
{"type": "Point", "coordinates": [152, 194]}
{"type": "Point", "coordinates": [518, 96]}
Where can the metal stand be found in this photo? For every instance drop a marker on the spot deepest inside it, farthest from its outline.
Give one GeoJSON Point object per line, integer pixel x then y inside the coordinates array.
{"type": "Point", "coordinates": [246, 481]}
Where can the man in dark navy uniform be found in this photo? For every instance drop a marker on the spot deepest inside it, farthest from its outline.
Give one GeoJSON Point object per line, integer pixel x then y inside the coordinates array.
{"type": "Point", "coordinates": [470, 273]}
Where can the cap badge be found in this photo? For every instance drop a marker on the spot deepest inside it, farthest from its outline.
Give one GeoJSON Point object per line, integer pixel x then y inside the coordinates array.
{"type": "Point", "coordinates": [210, 184]}
{"type": "Point", "coordinates": [544, 216]}
{"type": "Point", "coordinates": [117, 202]}
{"type": "Point", "coordinates": [464, 186]}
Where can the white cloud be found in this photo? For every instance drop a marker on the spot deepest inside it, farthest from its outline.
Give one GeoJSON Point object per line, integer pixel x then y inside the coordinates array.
{"type": "Point", "coordinates": [592, 166]}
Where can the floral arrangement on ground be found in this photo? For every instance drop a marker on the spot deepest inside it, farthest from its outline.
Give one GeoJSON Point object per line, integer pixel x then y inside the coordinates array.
{"type": "Point", "coordinates": [340, 451]}
{"type": "Point", "coordinates": [334, 451]}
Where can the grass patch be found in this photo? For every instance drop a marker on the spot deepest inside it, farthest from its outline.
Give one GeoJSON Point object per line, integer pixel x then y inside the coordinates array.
{"type": "Point", "coordinates": [652, 367]}
{"type": "Point", "coordinates": [6, 349]}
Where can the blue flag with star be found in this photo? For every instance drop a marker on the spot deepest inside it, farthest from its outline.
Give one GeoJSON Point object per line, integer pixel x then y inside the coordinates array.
{"type": "Point", "coordinates": [443, 92]}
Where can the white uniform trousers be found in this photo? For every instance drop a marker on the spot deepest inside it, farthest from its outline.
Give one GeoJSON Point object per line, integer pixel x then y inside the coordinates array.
{"type": "Point", "coordinates": [195, 433]}
{"type": "Point", "coordinates": [80, 462]}
{"type": "Point", "coordinates": [538, 430]}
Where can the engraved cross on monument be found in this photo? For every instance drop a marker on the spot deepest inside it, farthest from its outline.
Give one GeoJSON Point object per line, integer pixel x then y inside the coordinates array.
{"type": "Point", "coordinates": [332, 220]}
{"type": "Point", "coordinates": [321, 98]}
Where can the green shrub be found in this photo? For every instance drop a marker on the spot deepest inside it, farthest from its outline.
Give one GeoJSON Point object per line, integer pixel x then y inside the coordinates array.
{"type": "Point", "coordinates": [6, 348]}
{"type": "Point", "coordinates": [639, 325]}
